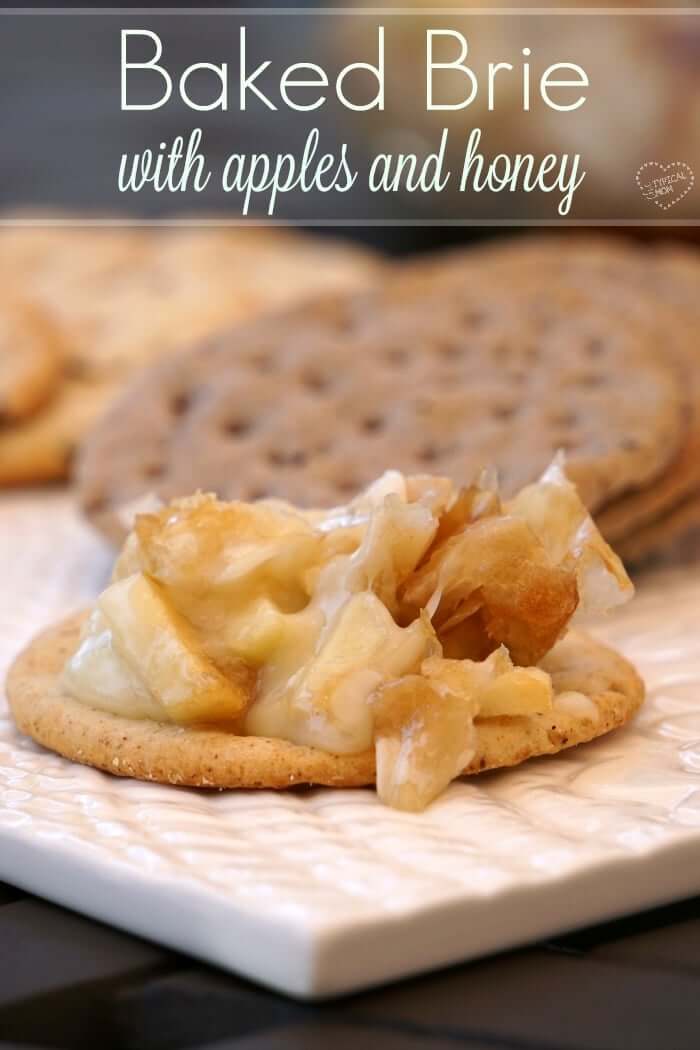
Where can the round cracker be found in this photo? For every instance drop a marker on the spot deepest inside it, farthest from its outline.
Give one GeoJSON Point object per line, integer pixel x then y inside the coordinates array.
{"type": "Point", "coordinates": [120, 298]}
{"type": "Point", "coordinates": [646, 520]}
{"type": "Point", "coordinates": [30, 361]}
{"type": "Point", "coordinates": [675, 533]}
{"type": "Point", "coordinates": [626, 518]}
{"type": "Point", "coordinates": [123, 297]}
{"type": "Point", "coordinates": [659, 285]}
{"type": "Point", "coordinates": [212, 758]}
{"type": "Point", "coordinates": [450, 382]}
{"type": "Point", "coordinates": [41, 448]}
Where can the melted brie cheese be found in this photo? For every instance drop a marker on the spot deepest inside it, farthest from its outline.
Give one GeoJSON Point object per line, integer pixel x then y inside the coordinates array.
{"type": "Point", "coordinates": [308, 626]}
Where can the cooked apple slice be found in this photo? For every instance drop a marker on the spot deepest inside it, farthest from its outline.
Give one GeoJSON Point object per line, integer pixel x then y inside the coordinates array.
{"type": "Point", "coordinates": [499, 688]}
{"type": "Point", "coordinates": [520, 692]}
{"type": "Point", "coordinates": [423, 728]}
{"type": "Point", "coordinates": [554, 511]}
{"type": "Point", "coordinates": [163, 649]}
{"type": "Point", "coordinates": [496, 568]}
{"type": "Point", "coordinates": [424, 736]}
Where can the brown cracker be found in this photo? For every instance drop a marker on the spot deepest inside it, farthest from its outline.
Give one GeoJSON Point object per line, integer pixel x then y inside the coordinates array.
{"type": "Point", "coordinates": [314, 403]}
{"type": "Point", "coordinates": [41, 448]}
{"type": "Point", "coordinates": [662, 285]}
{"type": "Point", "coordinates": [31, 361]}
{"type": "Point", "coordinates": [121, 298]}
{"type": "Point", "coordinates": [675, 534]}
{"type": "Point", "coordinates": [625, 517]}
{"type": "Point", "coordinates": [213, 758]}
{"type": "Point", "coordinates": [637, 517]}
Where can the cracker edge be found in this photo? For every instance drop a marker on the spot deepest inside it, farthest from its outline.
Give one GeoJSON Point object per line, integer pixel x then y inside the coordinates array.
{"type": "Point", "coordinates": [212, 758]}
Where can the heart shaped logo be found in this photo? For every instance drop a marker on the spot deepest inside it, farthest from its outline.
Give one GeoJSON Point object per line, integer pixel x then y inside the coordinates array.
{"type": "Point", "coordinates": [665, 184]}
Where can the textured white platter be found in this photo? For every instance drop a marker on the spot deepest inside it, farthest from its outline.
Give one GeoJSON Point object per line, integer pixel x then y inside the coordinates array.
{"type": "Point", "coordinates": [322, 892]}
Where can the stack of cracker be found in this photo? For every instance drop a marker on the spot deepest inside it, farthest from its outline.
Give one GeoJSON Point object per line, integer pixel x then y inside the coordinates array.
{"type": "Point", "coordinates": [658, 286]}
{"type": "Point", "coordinates": [85, 308]}
{"type": "Point", "coordinates": [500, 356]}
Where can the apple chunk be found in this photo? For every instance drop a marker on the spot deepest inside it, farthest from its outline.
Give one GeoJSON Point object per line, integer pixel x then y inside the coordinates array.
{"type": "Point", "coordinates": [424, 737]}
{"type": "Point", "coordinates": [163, 649]}
{"type": "Point", "coordinates": [499, 688]}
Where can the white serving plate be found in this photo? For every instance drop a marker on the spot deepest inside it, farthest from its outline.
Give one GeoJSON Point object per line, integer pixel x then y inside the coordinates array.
{"type": "Point", "coordinates": [322, 892]}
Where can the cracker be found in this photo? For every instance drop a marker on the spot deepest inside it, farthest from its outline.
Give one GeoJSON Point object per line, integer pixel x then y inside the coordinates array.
{"type": "Point", "coordinates": [41, 448]}
{"type": "Point", "coordinates": [125, 296]}
{"type": "Point", "coordinates": [121, 298]}
{"type": "Point", "coordinates": [30, 361]}
{"type": "Point", "coordinates": [675, 534]}
{"type": "Point", "coordinates": [624, 518]}
{"type": "Point", "coordinates": [211, 758]}
{"type": "Point", "coordinates": [316, 402]}
{"type": "Point", "coordinates": [637, 517]}
{"type": "Point", "coordinates": [660, 283]}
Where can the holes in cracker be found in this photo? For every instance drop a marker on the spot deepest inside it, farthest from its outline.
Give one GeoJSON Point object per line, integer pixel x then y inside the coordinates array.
{"type": "Point", "coordinates": [315, 381]}
{"type": "Point", "coordinates": [428, 454]}
{"type": "Point", "coordinates": [153, 471]}
{"type": "Point", "coordinates": [473, 317]}
{"type": "Point", "coordinates": [594, 347]}
{"type": "Point", "coordinates": [278, 457]}
{"type": "Point", "coordinates": [76, 369]}
{"type": "Point", "coordinates": [591, 380]}
{"type": "Point", "coordinates": [504, 412]}
{"type": "Point", "coordinates": [180, 404]}
{"type": "Point", "coordinates": [347, 486]}
{"type": "Point", "coordinates": [263, 362]}
{"type": "Point", "coordinates": [396, 356]}
{"type": "Point", "coordinates": [96, 505]}
{"type": "Point", "coordinates": [372, 424]}
{"type": "Point", "coordinates": [564, 418]}
{"type": "Point", "coordinates": [256, 492]}
{"type": "Point", "coordinates": [630, 444]}
{"type": "Point", "coordinates": [238, 427]}
{"type": "Point", "coordinates": [345, 320]}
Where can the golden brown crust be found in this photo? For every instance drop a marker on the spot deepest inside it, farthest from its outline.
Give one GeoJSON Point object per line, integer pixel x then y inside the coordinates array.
{"type": "Point", "coordinates": [119, 299]}
{"type": "Point", "coordinates": [212, 758]}
{"type": "Point", "coordinates": [41, 448]}
{"type": "Point", "coordinates": [673, 533]}
{"type": "Point", "coordinates": [463, 375]}
{"type": "Point", "coordinates": [31, 361]}
{"type": "Point", "coordinates": [660, 284]}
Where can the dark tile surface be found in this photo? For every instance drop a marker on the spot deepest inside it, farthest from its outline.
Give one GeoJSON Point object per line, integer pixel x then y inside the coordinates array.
{"type": "Point", "coordinates": [542, 999]}
{"type": "Point", "coordinates": [673, 948]}
{"type": "Point", "coordinates": [67, 983]}
{"type": "Point", "coordinates": [196, 1006]}
{"type": "Point", "coordinates": [45, 949]}
{"type": "Point", "coordinates": [340, 1037]}
{"type": "Point", "coordinates": [8, 893]}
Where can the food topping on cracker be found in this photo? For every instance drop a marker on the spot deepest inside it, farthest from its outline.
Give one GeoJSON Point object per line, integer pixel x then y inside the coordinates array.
{"type": "Point", "coordinates": [398, 622]}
